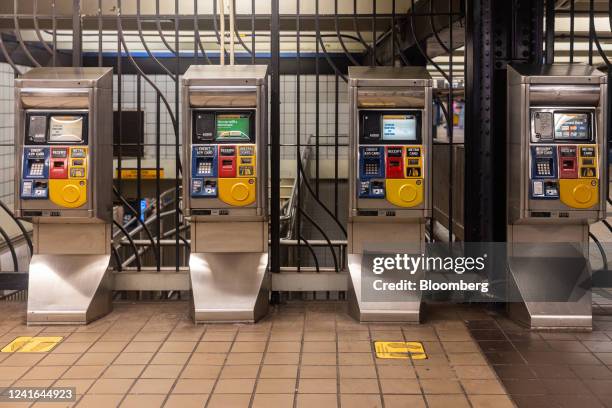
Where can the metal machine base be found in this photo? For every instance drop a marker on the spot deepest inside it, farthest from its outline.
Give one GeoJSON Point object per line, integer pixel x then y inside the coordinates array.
{"type": "Point", "coordinates": [405, 311]}
{"type": "Point", "coordinates": [543, 284]}
{"type": "Point", "coordinates": [229, 287]}
{"type": "Point", "coordinates": [551, 315]}
{"type": "Point", "coordinates": [68, 289]}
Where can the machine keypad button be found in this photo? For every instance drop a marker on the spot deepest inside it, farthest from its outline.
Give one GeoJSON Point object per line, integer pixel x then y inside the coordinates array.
{"type": "Point", "coordinates": [543, 169]}
{"type": "Point", "coordinates": [37, 169]}
{"type": "Point", "coordinates": [204, 168]}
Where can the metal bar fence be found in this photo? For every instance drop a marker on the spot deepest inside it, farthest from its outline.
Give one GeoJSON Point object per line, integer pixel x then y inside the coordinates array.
{"type": "Point", "coordinates": [320, 46]}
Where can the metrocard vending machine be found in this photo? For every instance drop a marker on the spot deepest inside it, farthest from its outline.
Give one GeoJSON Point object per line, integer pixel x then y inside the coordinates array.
{"type": "Point", "coordinates": [63, 146]}
{"type": "Point", "coordinates": [557, 151]}
{"type": "Point", "coordinates": [389, 181]}
{"type": "Point", "coordinates": [225, 181]}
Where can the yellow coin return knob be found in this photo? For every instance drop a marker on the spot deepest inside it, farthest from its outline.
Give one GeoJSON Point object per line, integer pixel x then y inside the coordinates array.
{"type": "Point", "coordinates": [582, 194]}
{"type": "Point", "coordinates": [407, 193]}
{"type": "Point", "coordinates": [240, 192]}
{"type": "Point", "coordinates": [70, 193]}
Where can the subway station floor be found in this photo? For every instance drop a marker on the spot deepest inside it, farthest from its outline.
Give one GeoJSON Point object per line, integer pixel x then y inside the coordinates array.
{"type": "Point", "coordinates": [309, 355]}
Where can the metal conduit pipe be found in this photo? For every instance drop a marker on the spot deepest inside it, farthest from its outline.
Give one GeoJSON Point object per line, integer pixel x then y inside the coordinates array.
{"type": "Point", "coordinates": [284, 242]}
{"type": "Point", "coordinates": [222, 30]}
{"type": "Point", "coordinates": [231, 30]}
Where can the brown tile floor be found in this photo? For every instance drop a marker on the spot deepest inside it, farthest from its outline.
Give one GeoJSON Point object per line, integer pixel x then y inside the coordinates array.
{"type": "Point", "coordinates": [301, 355]}
{"type": "Point", "coordinates": [546, 369]}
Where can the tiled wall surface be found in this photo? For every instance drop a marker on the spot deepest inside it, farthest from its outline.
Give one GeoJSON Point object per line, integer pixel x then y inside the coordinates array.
{"type": "Point", "coordinates": [148, 104]}
{"type": "Point", "coordinates": [7, 153]}
{"type": "Point", "coordinates": [167, 136]}
{"type": "Point", "coordinates": [308, 119]}
{"type": "Point", "coordinates": [288, 110]}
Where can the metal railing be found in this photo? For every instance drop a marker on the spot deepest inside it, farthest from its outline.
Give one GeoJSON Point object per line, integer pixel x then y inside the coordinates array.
{"type": "Point", "coordinates": [123, 235]}
{"type": "Point", "coordinates": [164, 43]}
{"type": "Point", "coordinates": [131, 41]}
{"type": "Point", "coordinates": [9, 242]}
{"type": "Point", "coordinates": [290, 221]}
{"type": "Point", "coordinates": [289, 211]}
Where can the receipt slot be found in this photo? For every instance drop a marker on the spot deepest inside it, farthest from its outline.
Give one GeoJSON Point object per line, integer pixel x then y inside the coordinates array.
{"type": "Point", "coordinates": [63, 146]}
{"type": "Point", "coordinates": [389, 180]}
{"type": "Point", "coordinates": [225, 183]}
{"type": "Point", "coordinates": [556, 187]}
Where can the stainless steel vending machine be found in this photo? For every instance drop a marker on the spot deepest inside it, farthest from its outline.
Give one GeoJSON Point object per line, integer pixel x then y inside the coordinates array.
{"type": "Point", "coordinates": [63, 147]}
{"type": "Point", "coordinates": [389, 180]}
{"type": "Point", "coordinates": [225, 181]}
{"type": "Point", "coordinates": [557, 164]}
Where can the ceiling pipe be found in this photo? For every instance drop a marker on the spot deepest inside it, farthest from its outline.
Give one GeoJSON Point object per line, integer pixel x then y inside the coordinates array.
{"type": "Point", "coordinates": [231, 30]}
{"type": "Point", "coordinates": [222, 29]}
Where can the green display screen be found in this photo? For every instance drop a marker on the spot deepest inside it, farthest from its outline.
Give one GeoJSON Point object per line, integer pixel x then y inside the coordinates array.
{"type": "Point", "coordinates": [233, 127]}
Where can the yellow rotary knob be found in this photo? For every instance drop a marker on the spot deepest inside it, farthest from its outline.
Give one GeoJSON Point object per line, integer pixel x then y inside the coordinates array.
{"type": "Point", "coordinates": [70, 193]}
{"type": "Point", "coordinates": [240, 192]}
{"type": "Point", "coordinates": [408, 193]}
{"type": "Point", "coordinates": [582, 193]}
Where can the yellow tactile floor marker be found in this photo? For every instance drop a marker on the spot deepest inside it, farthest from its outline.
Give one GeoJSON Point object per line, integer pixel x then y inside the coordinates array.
{"type": "Point", "coordinates": [31, 345]}
{"type": "Point", "coordinates": [400, 350]}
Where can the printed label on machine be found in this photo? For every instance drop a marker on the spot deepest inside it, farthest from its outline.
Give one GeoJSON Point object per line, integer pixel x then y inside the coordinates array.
{"type": "Point", "coordinates": [66, 129]}
{"type": "Point", "coordinates": [371, 166]}
{"type": "Point", "coordinates": [35, 162]}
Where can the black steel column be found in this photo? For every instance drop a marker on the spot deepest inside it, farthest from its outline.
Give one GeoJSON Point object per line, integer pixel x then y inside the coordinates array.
{"type": "Point", "coordinates": [497, 33]}
{"type": "Point", "coordinates": [550, 31]}
{"type": "Point", "coordinates": [275, 137]}
{"type": "Point", "coordinates": [77, 34]}
{"type": "Point", "coordinates": [609, 113]}
{"type": "Point", "coordinates": [478, 93]}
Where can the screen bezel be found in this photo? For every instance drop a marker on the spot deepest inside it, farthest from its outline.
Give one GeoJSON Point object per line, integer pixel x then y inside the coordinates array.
{"type": "Point", "coordinates": [74, 117]}
{"type": "Point", "coordinates": [391, 141]}
{"type": "Point", "coordinates": [47, 115]}
{"type": "Point", "coordinates": [250, 112]}
{"type": "Point", "coordinates": [574, 140]}
{"type": "Point", "coordinates": [379, 119]}
{"type": "Point", "coordinates": [216, 137]}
